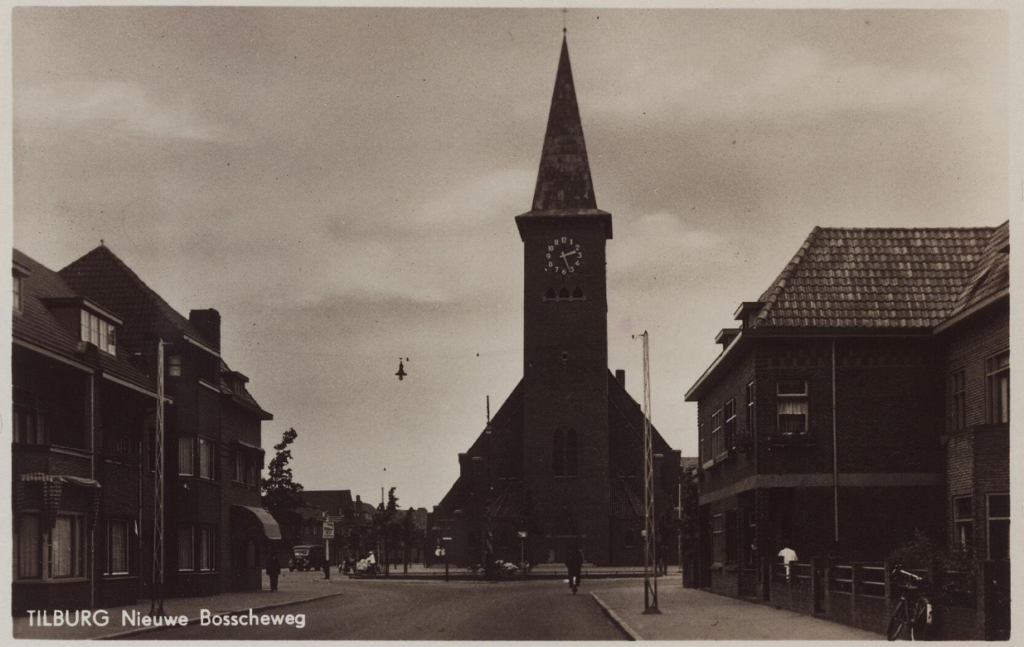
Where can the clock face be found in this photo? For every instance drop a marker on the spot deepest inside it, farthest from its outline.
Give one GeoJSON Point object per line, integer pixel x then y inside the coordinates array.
{"type": "Point", "coordinates": [563, 256]}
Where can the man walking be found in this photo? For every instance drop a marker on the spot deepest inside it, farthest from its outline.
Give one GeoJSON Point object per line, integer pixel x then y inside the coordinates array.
{"type": "Point", "coordinates": [273, 570]}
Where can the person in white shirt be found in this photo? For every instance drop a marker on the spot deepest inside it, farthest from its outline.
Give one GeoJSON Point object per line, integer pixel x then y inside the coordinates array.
{"type": "Point", "coordinates": [788, 555]}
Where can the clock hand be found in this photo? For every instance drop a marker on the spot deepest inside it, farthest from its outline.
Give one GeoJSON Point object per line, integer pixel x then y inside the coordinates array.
{"type": "Point", "coordinates": [564, 254]}
{"type": "Point", "coordinates": [566, 262]}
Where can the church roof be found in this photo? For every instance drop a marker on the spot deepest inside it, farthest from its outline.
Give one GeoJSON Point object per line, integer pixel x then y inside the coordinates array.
{"type": "Point", "coordinates": [564, 184]}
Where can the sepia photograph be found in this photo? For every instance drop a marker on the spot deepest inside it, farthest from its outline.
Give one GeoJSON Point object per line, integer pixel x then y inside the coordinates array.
{"type": "Point", "coordinates": [562, 323]}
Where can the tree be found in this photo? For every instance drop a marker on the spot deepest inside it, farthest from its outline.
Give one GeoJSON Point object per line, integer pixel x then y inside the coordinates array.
{"type": "Point", "coordinates": [281, 494]}
{"type": "Point", "coordinates": [387, 527]}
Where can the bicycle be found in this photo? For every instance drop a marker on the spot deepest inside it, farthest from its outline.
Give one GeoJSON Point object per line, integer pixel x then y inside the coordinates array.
{"type": "Point", "coordinates": [920, 620]}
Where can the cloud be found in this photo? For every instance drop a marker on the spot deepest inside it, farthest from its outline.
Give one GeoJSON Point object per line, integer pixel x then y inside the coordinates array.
{"type": "Point", "coordinates": [794, 80]}
{"type": "Point", "coordinates": [127, 109]}
{"type": "Point", "coordinates": [661, 245]}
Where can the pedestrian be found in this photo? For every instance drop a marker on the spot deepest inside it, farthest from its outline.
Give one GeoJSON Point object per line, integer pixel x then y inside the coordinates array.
{"type": "Point", "coordinates": [273, 570]}
{"type": "Point", "coordinates": [371, 563]}
{"type": "Point", "coordinates": [788, 555]}
{"type": "Point", "coordinates": [574, 564]}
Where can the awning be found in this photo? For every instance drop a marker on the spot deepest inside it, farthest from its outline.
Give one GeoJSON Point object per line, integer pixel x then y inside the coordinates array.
{"type": "Point", "coordinates": [271, 530]}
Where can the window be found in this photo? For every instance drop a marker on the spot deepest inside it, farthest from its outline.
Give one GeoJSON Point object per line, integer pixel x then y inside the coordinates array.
{"type": "Point", "coordinates": [629, 538]}
{"type": "Point", "coordinates": [240, 466]}
{"type": "Point", "coordinates": [730, 537]}
{"type": "Point", "coordinates": [577, 293]}
{"type": "Point", "coordinates": [186, 459]}
{"type": "Point", "coordinates": [206, 549]}
{"type": "Point", "coordinates": [717, 442]}
{"type": "Point", "coordinates": [997, 376]}
{"type": "Point", "coordinates": [750, 540]}
{"type": "Point", "coordinates": [571, 449]}
{"type": "Point", "coordinates": [28, 543]}
{"type": "Point", "coordinates": [999, 526]}
{"type": "Point", "coordinates": [558, 456]}
{"type": "Point", "coordinates": [174, 366]}
{"type": "Point", "coordinates": [16, 299]}
{"type": "Point", "coordinates": [67, 547]}
{"type": "Point", "coordinates": [117, 548]}
{"type": "Point", "coordinates": [717, 540]}
{"type": "Point", "coordinates": [792, 407]}
{"type": "Point", "coordinates": [563, 293]}
{"type": "Point", "coordinates": [751, 426]}
{"type": "Point", "coordinates": [550, 294]}
{"type": "Point", "coordinates": [29, 418]}
{"type": "Point", "coordinates": [186, 557]}
{"type": "Point", "coordinates": [705, 445]}
{"type": "Point", "coordinates": [99, 332]}
{"type": "Point", "coordinates": [957, 400]}
{"type": "Point", "coordinates": [963, 522]}
{"type": "Point", "coordinates": [206, 458]}
{"type": "Point", "coordinates": [730, 424]}
{"type": "Point", "coordinates": [254, 472]}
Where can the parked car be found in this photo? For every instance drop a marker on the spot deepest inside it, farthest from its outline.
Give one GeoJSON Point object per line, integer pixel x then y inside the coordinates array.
{"type": "Point", "coordinates": [306, 558]}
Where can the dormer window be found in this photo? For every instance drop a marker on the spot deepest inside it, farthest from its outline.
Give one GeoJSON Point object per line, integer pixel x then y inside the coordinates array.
{"type": "Point", "coordinates": [99, 332]}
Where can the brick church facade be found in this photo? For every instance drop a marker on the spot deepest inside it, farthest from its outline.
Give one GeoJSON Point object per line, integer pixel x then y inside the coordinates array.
{"type": "Point", "coordinates": [562, 460]}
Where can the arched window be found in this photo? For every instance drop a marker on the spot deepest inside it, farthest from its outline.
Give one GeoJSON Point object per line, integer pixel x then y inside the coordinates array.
{"type": "Point", "coordinates": [550, 294]}
{"type": "Point", "coordinates": [577, 293]}
{"type": "Point", "coordinates": [558, 459]}
{"type": "Point", "coordinates": [570, 454]}
{"type": "Point", "coordinates": [563, 293]}
{"type": "Point", "coordinates": [629, 538]}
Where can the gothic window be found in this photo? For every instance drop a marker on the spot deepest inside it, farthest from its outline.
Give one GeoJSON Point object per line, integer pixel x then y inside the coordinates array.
{"type": "Point", "coordinates": [550, 294]}
{"type": "Point", "coordinates": [559, 453]}
{"type": "Point", "coordinates": [563, 293]}
{"type": "Point", "coordinates": [577, 293]}
{"type": "Point", "coordinates": [571, 457]}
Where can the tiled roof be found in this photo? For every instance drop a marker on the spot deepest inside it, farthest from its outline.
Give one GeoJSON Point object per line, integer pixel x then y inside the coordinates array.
{"type": "Point", "coordinates": [876, 278]}
{"type": "Point", "coordinates": [103, 277]}
{"type": "Point", "coordinates": [992, 274]}
{"type": "Point", "coordinates": [37, 325]}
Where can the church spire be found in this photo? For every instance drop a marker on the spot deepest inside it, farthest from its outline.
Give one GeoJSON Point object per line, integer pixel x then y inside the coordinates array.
{"type": "Point", "coordinates": [563, 181]}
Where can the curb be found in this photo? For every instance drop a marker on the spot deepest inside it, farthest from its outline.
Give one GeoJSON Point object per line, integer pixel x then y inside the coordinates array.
{"type": "Point", "coordinates": [145, 630]}
{"type": "Point", "coordinates": [616, 620]}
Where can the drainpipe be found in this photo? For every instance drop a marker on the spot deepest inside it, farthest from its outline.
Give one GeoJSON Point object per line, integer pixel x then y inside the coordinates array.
{"type": "Point", "coordinates": [92, 475]}
{"type": "Point", "coordinates": [835, 450]}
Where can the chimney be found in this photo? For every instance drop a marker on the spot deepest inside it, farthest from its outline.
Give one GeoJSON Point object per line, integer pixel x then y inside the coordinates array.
{"type": "Point", "coordinates": [207, 322]}
{"type": "Point", "coordinates": [620, 375]}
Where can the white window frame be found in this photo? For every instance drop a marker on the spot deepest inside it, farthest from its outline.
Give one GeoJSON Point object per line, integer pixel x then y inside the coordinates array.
{"type": "Point", "coordinates": [240, 465]}
{"type": "Point", "coordinates": [751, 409]}
{"type": "Point", "coordinates": [959, 522]}
{"type": "Point", "coordinates": [39, 567]}
{"type": "Point", "coordinates": [718, 450]}
{"type": "Point", "coordinates": [790, 398]}
{"type": "Point", "coordinates": [190, 454]}
{"type": "Point", "coordinates": [98, 332]}
{"type": "Point", "coordinates": [729, 427]}
{"type": "Point", "coordinates": [958, 399]}
{"type": "Point", "coordinates": [18, 293]}
{"type": "Point", "coordinates": [78, 544]}
{"type": "Point", "coordinates": [997, 399]}
{"type": "Point", "coordinates": [207, 558]}
{"type": "Point", "coordinates": [207, 458]}
{"type": "Point", "coordinates": [110, 568]}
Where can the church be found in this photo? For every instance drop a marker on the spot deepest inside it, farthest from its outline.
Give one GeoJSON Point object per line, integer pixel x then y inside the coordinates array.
{"type": "Point", "coordinates": [561, 463]}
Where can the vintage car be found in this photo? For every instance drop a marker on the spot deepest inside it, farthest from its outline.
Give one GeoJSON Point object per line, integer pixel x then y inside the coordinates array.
{"type": "Point", "coordinates": [305, 558]}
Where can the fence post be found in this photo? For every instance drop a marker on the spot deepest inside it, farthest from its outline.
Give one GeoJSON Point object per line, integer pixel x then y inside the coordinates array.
{"type": "Point", "coordinates": [888, 582]}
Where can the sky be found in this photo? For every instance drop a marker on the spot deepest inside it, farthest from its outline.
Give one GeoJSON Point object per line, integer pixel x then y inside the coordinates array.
{"type": "Point", "coordinates": [341, 184]}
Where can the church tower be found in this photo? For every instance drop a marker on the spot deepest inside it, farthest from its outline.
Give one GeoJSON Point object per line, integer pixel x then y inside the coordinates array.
{"type": "Point", "coordinates": [565, 349]}
{"type": "Point", "coordinates": [560, 463]}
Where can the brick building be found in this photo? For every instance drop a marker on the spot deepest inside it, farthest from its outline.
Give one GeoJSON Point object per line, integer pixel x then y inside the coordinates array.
{"type": "Point", "coordinates": [823, 420]}
{"type": "Point", "coordinates": [562, 459]}
{"type": "Point", "coordinates": [85, 384]}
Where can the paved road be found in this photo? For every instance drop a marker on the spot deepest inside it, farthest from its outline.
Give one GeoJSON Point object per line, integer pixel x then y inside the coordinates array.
{"type": "Point", "coordinates": [373, 610]}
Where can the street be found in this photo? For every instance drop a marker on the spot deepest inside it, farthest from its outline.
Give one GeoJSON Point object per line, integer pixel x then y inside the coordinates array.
{"type": "Point", "coordinates": [397, 610]}
{"type": "Point", "coordinates": [535, 610]}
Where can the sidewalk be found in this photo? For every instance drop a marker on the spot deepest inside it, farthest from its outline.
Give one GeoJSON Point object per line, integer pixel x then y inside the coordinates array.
{"type": "Point", "coordinates": [292, 588]}
{"type": "Point", "coordinates": [687, 614]}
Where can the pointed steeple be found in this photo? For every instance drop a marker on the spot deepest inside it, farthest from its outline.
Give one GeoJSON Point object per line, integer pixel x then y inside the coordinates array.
{"type": "Point", "coordinates": [563, 181]}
